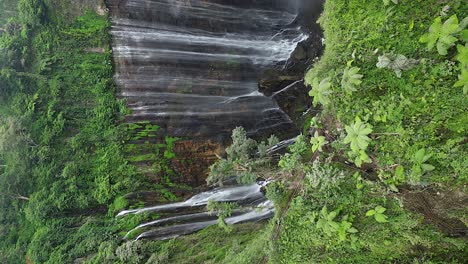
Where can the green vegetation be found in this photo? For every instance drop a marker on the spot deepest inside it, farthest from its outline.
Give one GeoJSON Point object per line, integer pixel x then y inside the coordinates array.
{"type": "Point", "coordinates": [397, 63]}
{"type": "Point", "coordinates": [444, 35]}
{"type": "Point", "coordinates": [206, 246]}
{"type": "Point", "coordinates": [407, 131]}
{"type": "Point", "coordinates": [421, 109]}
{"type": "Point", "coordinates": [62, 159]}
{"type": "Point", "coordinates": [351, 79]}
{"type": "Point", "coordinates": [329, 223]}
{"type": "Point", "coordinates": [391, 109]}
{"type": "Point", "coordinates": [246, 160]}
{"type": "Point", "coordinates": [318, 142]}
{"type": "Point", "coordinates": [321, 91]}
{"type": "Point", "coordinates": [379, 176]}
{"type": "Point", "coordinates": [378, 214]}
{"type": "Point", "coordinates": [222, 211]}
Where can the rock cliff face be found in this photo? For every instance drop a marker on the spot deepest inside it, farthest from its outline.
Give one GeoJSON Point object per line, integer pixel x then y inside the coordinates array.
{"type": "Point", "coordinates": [199, 68]}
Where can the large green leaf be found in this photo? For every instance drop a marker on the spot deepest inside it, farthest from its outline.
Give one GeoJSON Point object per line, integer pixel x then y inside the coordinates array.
{"type": "Point", "coordinates": [444, 43]}
{"type": "Point", "coordinates": [427, 167]}
{"type": "Point", "coordinates": [381, 218]}
{"type": "Point", "coordinates": [434, 32]}
{"type": "Point", "coordinates": [351, 79]}
{"type": "Point", "coordinates": [464, 35]}
{"type": "Point", "coordinates": [357, 136]}
{"type": "Point", "coordinates": [462, 56]}
{"type": "Point", "coordinates": [370, 212]}
{"type": "Point", "coordinates": [442, 35]}
{"type": "Point", "coordinates": [463, 81]}
{"type": "Point", "coordinates": [321, 91]}
{"type": "Point", "coordinates": [420, 156]}
{"type": "Point", "coordinates": [317, 142]}
{"type": "Point", "coordinates": [379, 209]}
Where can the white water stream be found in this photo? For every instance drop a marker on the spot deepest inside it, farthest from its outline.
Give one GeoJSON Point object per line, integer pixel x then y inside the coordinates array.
{"type": "Point", "coordinates": [192, 67]}
{"type": "Point", "coordinates": [255, 208]}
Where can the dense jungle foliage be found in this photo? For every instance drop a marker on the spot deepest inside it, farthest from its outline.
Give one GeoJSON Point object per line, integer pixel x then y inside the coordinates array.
{"type": "Point", "coordinates": [378, 177]}
{"type": "Point", "coordinates": [62, 160]}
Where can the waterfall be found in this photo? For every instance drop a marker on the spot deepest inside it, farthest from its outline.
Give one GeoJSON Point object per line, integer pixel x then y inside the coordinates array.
{"type": "Point", "coordinates": [192, 66]}
{"type": "Point", "coordinates": [253, 207]}
{"type": "Point", "coordinates": [230, 194]}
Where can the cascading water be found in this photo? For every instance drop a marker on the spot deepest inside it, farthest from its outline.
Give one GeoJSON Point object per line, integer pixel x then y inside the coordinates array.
{"type": "Point", "coordinates": [261, 212]}
{"type": "Point", "coordinates": [192, 67]}
{"type": "Point", "coordinates": [252, 202]}
{"type": "Point", "coordinates": [230, 194]}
